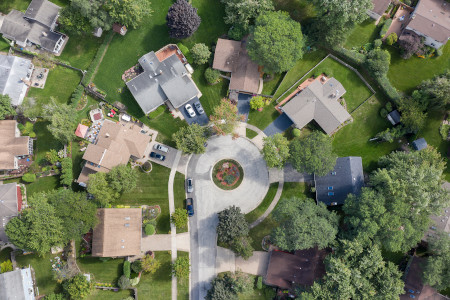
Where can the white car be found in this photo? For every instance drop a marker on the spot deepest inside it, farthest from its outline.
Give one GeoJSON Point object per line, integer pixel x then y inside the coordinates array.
{"type": "Point", "coordinates": [161, 148]}
{"type": "Point", "coordinates": [190, 110]}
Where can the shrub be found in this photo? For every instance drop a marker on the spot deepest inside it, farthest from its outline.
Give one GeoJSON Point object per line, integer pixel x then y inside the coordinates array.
{"type": "Point", "coordinates": [257, 102]}
{"type": "Point", "coordinates": [444, 130]}
{"type": "Point", "coordinates": [124, 282]}
{"type": "Point", "coordinates": [136, 266]}
{"type": "Point", "coordinates": [407, 2]}
{"type": "Point", "coordinates": [296, 132]}
{"type": "Point", "coordinates": [212, 76]}
{"type": "Point", "coordinates": [236, 32]}
{"type": "Point", "coordinates": [383, 112]}
{"type": "Point", "coordinates": [385, 27]}
{"type": "Point", "coordinates": [66, 171]}
{"type": "Point", "coordinates": [259, 283]}
{"type": "Point", "coordinates": [147, 166]}
{"type": "Point", "coordinates": [200, 53]}
{"type": "Point", "coordinates": [6, 266]}
{"type": "Point", "coordinates": [439, 51]}
{"type": "Point", "coordinates": [179, 218]}
{"type": "Point", "coordinates": [391, 39]}
{"type": "Point", "coordinates": [149, 229]}
{"type": "Point", "coordinates": [353, 57]}
{"type": "Point", "coordinates": [77, 94]}
{"type": "Point", "coordinates": [377, 43]}
{"type": "Point", "coordinates": [21, 127]}
{"type": "Point", "coordinates": [386, 86]}
{"type": "Point", "coordinates": [29, 177]}
{"type": "Point", "coordinates": [127, 269]}
{"type": "Point", "coordinates": [388, 106]}
{"type": "Point", "coordinates": [185, 51]}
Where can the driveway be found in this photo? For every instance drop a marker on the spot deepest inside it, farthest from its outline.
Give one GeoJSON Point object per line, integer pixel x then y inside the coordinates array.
{"type": "Point", "coordinates": [279, 125]}
{"type": "Point", "coordinates": [170, 156]}
{"type": "Point", "coordinates": [209, 199]}
{"type": "Point", "coordinates": [199, 119]}
{"type": "Point", "coordinates": [292, 175]}
{"type": "Point", "coordinates": [244, 105]}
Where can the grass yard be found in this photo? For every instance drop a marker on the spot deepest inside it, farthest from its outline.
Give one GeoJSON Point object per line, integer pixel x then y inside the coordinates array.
{"type": "Point", "coordinates": [104, 272]}
{"type": "Point", "coordinates": [60, 84]}
{"type": "Point", "coordinates": [4, 46]}
{"type": "Point", "coordinates": [257, 212]}
{"type": "Point", "coordinates": [353, 139]}
{"type": "Point", "coordinates": [159, 285]}
{"type": "Point", "coordinates": [80, 50]}
{"type": "Point", "coordinates": [250, 133]}
{"type": "Point", "coordinates": [183, 285]}
{"type": "Point", "coordinates": [270, 87]}
{"type": "Point", "coordinates": [179, 194]}
{"type": "Point", "coordinates": [43, 271]}
{"type": "Point", "coordinates": [7, 5]}
{"type": "Point", "coordinates": [166, 125]}
{"type": "Point", "coordinates": [300, 10]}
{"type": "Point", "coordinates": [152, 189]}
{"type": "Point", "coordinates": [109, 295]}
{"type": "Point", "coordinates": [45, 141]}
{"type": "Point", "coordinates": [363, 33]}
{"type": "Point", "coordinates": [262, 119]}
{"type": "Point", "coordinates": [407, 74]}
{"type": "Point", "coordinates": [43, 184]}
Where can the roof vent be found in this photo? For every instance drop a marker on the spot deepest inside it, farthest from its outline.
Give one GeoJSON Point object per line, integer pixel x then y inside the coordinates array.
{"type": "Point", "coordinates": [123, 247]}
{"type": "Point", "coordinates": [123, 241]}
{"type": "Point", "coordinates": [127, 224]}
{"type": "Point", "coordinates": [127, 218]}
{"type": "Point", "coordinates": [44, 33]}
{"type": "Point", "coordinates": [107, 134]}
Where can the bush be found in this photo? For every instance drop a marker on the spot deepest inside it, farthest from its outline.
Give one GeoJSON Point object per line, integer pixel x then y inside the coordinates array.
{"type": "Point", "coordinates": [149, 229]}
{"type": "Point", "coordinates": [124, 282]}
{"type": "Point", "coordinates": [259, 283]}
{"type": "Point", "coordinates": [236, 32]}
{"type": "Point", "coordinates": [439, 51]}
{"type": "Point", "coordinates": [77, 94]}
{"type": "Point", "coordinates": [296, 132]}
{"type": "Point", "coordinates": [66, 171]}
{"type": "Point", "coordinates": [444, 130]}
{"type": "Point", "coordinates": [407, 2]}
{"type": "Point", "coordinates": [377, 43]}
{"type": "Point", "coordinates": [388, 106]}
{"type": "Point", "coordinates": [212, 76]}
{"type": "Point", "coordinates": [127, 269]}
{"type": "Point", "coordinates": [385, 27]}
{"type": "Point", "coordinates": [391, 39]}
{"type": "Point", "coordinates": [383, 112]}
{"type": "Point", "coordinates": [257, 102]}
{"type": "Point", "coordinates": [136, 266]}
{"type": "Point", "coordinates": [29, 177]}
{"type": "Point", "coordinates": [179, 218]}
{"type": "Point", "coordinates": [386, 86]}
{"type": "Point", "coordinates": [147, 166]}
{"type": "Point", "coordinates": [352, 57]}
{"type": "Point", "coordinates": [185, 51]}
{"type": "Point", "coordinates": [21, 127]}
{"type": "Point", "coordinates": [200, 53]}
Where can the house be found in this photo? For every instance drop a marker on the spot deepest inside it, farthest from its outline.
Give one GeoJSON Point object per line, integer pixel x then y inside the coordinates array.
{"type": "Point", "coordinates": [165, 81]}
{"type": "Point", "coordinates": [35, 26]}
{"type": "Point", "coordinates": [379, 7]}
{"type": "Point", "coordinates": [419, 144]}
{"type": "Point", "coordinates": [17, 285]}
{"type": "Point", "coordinates": [118, 232]}
{"type": "Point", "coordinates": [231, 56]}
{"type": "Point", "coordinates": [303, 267]}
{"type": "Point", "coordinates": [114, 146]}
{"type": "Point", "coordinates": [15, 75]}
{"type": "Point", "coordinates": [394, 117]}
{"type": "Point", "coordinates": [13, 146]}
{"type": "Point", "coordinates": [414, 287]}
{"type": "Point", "coordinates": [319, 101]}
{"type": "Point", "coordinates": [346, 178]}
{"type": "Point", "coordinates": [430, 20]}
{"type": "Point", "coordinates": [10, 206]}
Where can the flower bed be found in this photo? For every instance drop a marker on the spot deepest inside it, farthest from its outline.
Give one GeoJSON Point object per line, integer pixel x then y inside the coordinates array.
{"type": "Point", "coordinates": [228, 174]}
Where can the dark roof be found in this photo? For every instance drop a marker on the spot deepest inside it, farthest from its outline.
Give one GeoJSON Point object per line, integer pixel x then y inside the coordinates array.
{"type": "Point", "coordinates": [42, 11]}
{"type": "Point", "coordinates": [17, 285]}
{"type": "Point", "coordinates": [394, 117]}
{"type": "Point", "coordinates": [380, 6]}
{"type": "Point", "coordinates": [419, 144]}
{"type": "Point", "coordinates": [9, 206]}
{"type": "Point", "coordinates": [302, 268]}
{"type": "Point", "coordinates": [346, 178]}
{"type": "Point", "coordinates": [161, 81]}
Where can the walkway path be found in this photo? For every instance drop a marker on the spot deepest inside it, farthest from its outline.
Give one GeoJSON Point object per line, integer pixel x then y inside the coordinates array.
{"type": "Point", "coordinates": [173, 229]}
{"type": "Point", "coordinates": [271, 206]}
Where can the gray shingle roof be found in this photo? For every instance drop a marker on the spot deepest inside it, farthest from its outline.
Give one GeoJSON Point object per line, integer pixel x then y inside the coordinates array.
{"type": "Point", "coordinates": [347, 177]}
{"type": "Point", "coordinates": [42, 11]}
{"type": "Point", "coordinates": [8, 206]}
{"type": "Point", "coordinates": [17, 285]}
{"type": "Point", "coordinates": [15, 26]}
{"type": "Point", "coordinates": [419, 144]}
{"type": "Point", "coordinates": [12, 70]}
{"type": "Point", "coordinates": [318, 102]}
{"type": "Point", "coordinates": [161, 81]}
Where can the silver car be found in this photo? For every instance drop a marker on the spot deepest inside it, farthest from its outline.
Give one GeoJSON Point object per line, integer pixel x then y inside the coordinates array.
{"type": "Point", "coordinates": [189, 185]}
{"type": "Point", "coordinates": [161, 148]}
{"type": "Point", "coordinates": [199, 108]}
{"type": "Point", "coordinates": [190, 110]}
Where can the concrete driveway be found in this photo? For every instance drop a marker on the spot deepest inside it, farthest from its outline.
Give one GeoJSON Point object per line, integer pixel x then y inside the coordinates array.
{"type": "Point", "coordinates": [209, 199]}
{"type": "Point", "coordinates": [199, 119]}
{"type": "Point", "coordinates": [170, 156]}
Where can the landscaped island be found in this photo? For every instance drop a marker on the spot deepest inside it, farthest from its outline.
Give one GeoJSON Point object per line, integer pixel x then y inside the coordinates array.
{"type": "Point", "coordinates": [227, 174]}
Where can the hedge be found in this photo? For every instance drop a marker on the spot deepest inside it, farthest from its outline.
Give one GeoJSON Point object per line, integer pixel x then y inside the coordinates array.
{"type": "Point", "coordinates": [385, 27]}
{"type": "Point", "coordinates": [149, 229]}
{"type": "Point", "coordinates": [127, 269]}
{"type": "Point", "coordinates": [354, 58]}
{"type": "Point", "coordinates": [98, 56]}
{"type": "Point", "coordinates": [77, 94]}
{"type": "Point", "coordinates": [66, 171]}
{"type": "Point", "coordinates": [386, 86]}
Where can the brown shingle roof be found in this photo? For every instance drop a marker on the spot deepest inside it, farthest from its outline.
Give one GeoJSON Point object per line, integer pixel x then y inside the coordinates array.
{"type": "Point", "coordinates": [118, 232]}
{"type": "Point", "coordinates": [11, 144]}
{"type": "Point", "coordinates": [380, 6]}
{"type": "Point", "coordinates": [302, 268]}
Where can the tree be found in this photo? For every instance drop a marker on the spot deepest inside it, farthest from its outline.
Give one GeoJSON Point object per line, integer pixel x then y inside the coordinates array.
{"type": "Point", "coordinates": [222, 288]}
{"type": "Point", "coordinates": [122, 179]}
{"type": "Point", "coordinates": [78, 215]}
{"type": "Point", "coordinates": [356, 271]}
{"type": "Point", "coordinates": [149, 264]}
{"type": "Point", "coordinates": [63, 120]}
{"type": "Point", "coordinates": [276, 41]}
{"type": "Point", "coordinates": [136, 266]}
{"type": "Point", "coordinates": [378, 62]}
{"type": "Point", "coordinates": [182, 20]}
{"type": "Point", "coordinates": [30, 109]}
{"type": "Point", "coordinates": [303, 225]}
{"type": "Point", "coordinates": [29, 177]}
{"type": "Point", "coordinates": [98, 186]}
{"type": "Point", "coordinates": [181, 267]}
{"type": "Point", "coordinates": [410, 43]}
{"type": "Point", "coordinates": [242, 246]}
{"type": "Point", "coordinates": [276, 151]}
{"type": "Point", "coordinates": [437, 90]}
{"type": "Point", "coordinates": [52, 156]}
{"type": "Point", "coordinates": [37, 228]}
{"type": "Point", "coordinates": [6, 266]}
{"type": "Point", "coordinates": [78, 287]}
{"type": "Point", "coordinates": [73, 22]}
{"type": "Point", "coordinates": [200, 53]}
{"type": "Point", "coordinates": [179, 218]}
{"type": "Point", "coordinates": [66, 171]}
{"type": "Point", "coordinates": [212, 76]}
{"type": "Point", "coordinates": [391, 39]}
{"type": "Point", "coordinates": [257, 102]}
{"type": "Point", "coordinates": [313, 154]}
{"type": "Point", "coordinates": [191, 139]}
{"type": "Point", "coordinates": [124, 282]}
{"type": "Point", "coordinates": [437, 270]}
{"type": "Point", "coordinates": [5, 107]}
{"type": "Point", "coordinates": [225, 117]}
{"type": "Point", "coordinates": [128, 12]}
{"type": "Point", "coordinates": [336, 18]}
{"type": "Point", "coordinates": [413, 116]}
{"type": "Point", "coordinates": [232, 224]}
{"type": "Point", "coordinates": [242, 13]}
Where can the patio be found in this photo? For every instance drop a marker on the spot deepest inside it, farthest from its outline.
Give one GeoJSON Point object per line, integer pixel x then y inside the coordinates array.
{"type": "Point", "coordinates": [96, 115]}
{"type": "Point", "coordinates": [93, 131]}
{"type": "Point", "coordinates": [23, 163]}
{"type": "Point", "coordinates": [132, 72]}
{"type": "Point", "coordinates": [399, 21]}
{"type": "Point", "coordinates": [39, 77]}
{"type": "Point", "coordinates": [168, 51]}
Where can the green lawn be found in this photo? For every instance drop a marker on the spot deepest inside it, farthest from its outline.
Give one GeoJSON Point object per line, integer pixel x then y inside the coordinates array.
{"type": "Point", "coordinates": [7, 5]}
{"type": "Point", "coordinates": [353, 139]}
{"type": "Point", "coordinates": [45, 141]}
{"type": "Point", "coordinates": [270, 87]}
{"type": "Point", "coordinates": [257, 212]}
{"type": "Point", "coordinates": [363, 33]}
{"type": "Point", "coordinates": [104, 272]}
{"type": "Point", "coordinates": [4, 46]}
{"type": "Point", "coordinates": [179, 194]}
{"type": "Point", "coordinates": [109, 295]}
{"type": "Point", "coordinates": [250, 133]}
{"type": "Point", "coordinates": [407, 74]}
{"type": "Point", "coordinates": [152, 189]}
{"type": "Point", "coordinates": [80, 50]}
{"type": "Point", "coordinates": [60, 84]}
{"type": "Point", "coordinates": [262, 119]}
{"type": "Point", "coordinates": [43, 184]}
{"type": "Point", "coordinates": [166, 125]}
{"type": "Point", "coordinates": [183, 284]}
{"type": "Point", "coordinates": [43, 271]}
{"type": "Point", "coordinates": [159, 285]}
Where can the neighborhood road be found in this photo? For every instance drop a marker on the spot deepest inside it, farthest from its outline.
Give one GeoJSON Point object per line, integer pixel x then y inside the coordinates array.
{"type": "Point", "coordinates": [209, 199]}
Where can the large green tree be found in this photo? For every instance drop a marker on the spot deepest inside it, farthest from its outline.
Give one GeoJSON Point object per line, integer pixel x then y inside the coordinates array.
{"type": "Point", "coordinates": [437, 271]}
{"type": "Point", "coordinates": [225, 117]}
{"type": "Point", "coordinates": [378, 62]}
{"type": "Point", "coordinates": [356, 271]}
{"type": "Point", "coordinates": [122, 178]}
{"type": "Point", "coordinates": [303, 225]}
{"type": "Point", "coordinates": [5, 107]}
{"type": "Point", "coordinates": [181, 267]}
{"type": "Point", "coordinates": [437, 90]}
{"type": "Point", "coordinates": [276, 151]}
{"type": "Point", "coordinates": [98, 186]}
{"type": "Point", "coordinates": [275, 42]}
{"type": "Point", "coordinates": [30, 108]}
{"type": "Point", "coordinates": [63, 120]}
{"type": "Point", "coordinates": [128, 12]}
{"type": "Point", "coordinates": [242, 13]}
{"type": "Point", "coordinates": [78, 287]}
{"type": "Point", "coordinates": [313, 154]}
{"type": "Point", "coordinates": [232, 224]}
{"type": "Point", "coordinates": [191, 139]}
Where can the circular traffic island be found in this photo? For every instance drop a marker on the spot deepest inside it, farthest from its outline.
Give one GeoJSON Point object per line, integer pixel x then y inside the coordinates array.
{"type": "Point", "coordinates": [227, 174]}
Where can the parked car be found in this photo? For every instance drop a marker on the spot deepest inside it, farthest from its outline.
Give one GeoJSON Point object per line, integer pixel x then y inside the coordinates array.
{"type": "Point", "coordinates": [161, 148]}
{"type": "Point", "coordinates": [199, 108]}
{"type": "Point", "coordinates": [189, 185]}
{"type": "Point", "coordinates": [190, 207]}
{"type": "Point", "coordinates": [157, 156]}
{"type": "Point", "coordinates": [190, 110]}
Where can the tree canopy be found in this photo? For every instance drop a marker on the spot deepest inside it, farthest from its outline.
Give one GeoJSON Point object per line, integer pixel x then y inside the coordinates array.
{"type": "Point", "coordinates": [128, 12]}
{"type": "Point", "coordinates": [181, 267]}
{"type": "Point", "coordinates": [303, 225]}
{"type": "Point", "coordinates": [378, 62]}
{"type": "Point", "coordinates": [276, 151]}
{"type": "Point", "coordinates": [5, 107]}
{"type": "Point", "coordinates": [437, 270]}
{"type": "Point", "coordinates": [98, 186]}
{"type": "Point", "coordinates": [242, 13]}
{"type": "Point", "coordinates": [191, 139]}
{"type": "Point", "coordinates": [232, 224]}
{"type": "Point", "coordinates": [313, 154]}
{"type": "Point", "coordinates": [276, 41]}
{"type": "Point", "coordinates": [182, 20]}
{"type": "Point", "coordinates": [200, 53]}
{"type": "Point", "coordinates": [437, 90]}
{"type": "Point", "coordinates": [63, 120]}
{"type": "Point", "coordinates": [78, 287]}
{"type": "Point", "coordinates": [227, 286]}
{"type": "Point", "coordinates": [225, 117]}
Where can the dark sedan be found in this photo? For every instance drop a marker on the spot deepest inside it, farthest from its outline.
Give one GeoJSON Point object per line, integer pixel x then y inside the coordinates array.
{"type": "Point", "coordinates": [190, 207]}
{"type": "Point", "coordinates": [157, 156]}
